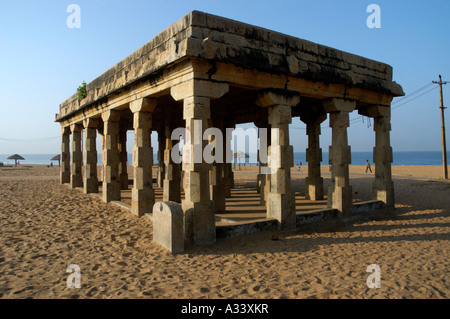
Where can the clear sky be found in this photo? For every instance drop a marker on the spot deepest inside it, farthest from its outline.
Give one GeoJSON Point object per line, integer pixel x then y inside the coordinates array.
{"type": "Point", "coordinates": [42, 61]}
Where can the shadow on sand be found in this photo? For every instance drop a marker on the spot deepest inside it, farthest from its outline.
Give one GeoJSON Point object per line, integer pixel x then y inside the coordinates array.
{"type": "Point", "coordinates": [410, 210]}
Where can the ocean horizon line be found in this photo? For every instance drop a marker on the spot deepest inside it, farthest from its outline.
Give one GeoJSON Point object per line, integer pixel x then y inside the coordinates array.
{"type": "Point", "coordinates": [358, 158]}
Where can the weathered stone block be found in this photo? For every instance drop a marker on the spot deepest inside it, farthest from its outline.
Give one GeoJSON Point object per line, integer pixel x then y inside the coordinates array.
{"type": "Point", "coordinates": [279, 181]}
{"type": "Point", "coordinates": [196, 107]}
{"type": "Point", "coordinates": [199, 223]}
{"type": "Point", "coordinates": [281, 156]}
{"type": "Point", "coordinates": [338, 105]}
{"type": "Point", "coordinates": [282, 208]}
{"type": "Point", "coordinates": [168, 226]}
{"type": "Point", "coordinates": [142, 156]}
{"type": "Point", "coordinates": [382, 154]}
{"type": "Point", "coordinates": [384, 192]}
{"type": "Point", "coordinates": [313, 154]}
{"type": "Point", "coordinates": [280, 114]}
{"type": "Point", "coordinates": [314, 188]}
{"type": "Point", "coordinates": [341, 155]}
{"type": "Point", "coordinates": [341, 199]}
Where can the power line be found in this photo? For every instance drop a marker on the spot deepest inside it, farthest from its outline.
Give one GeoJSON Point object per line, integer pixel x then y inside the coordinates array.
{"type": "Point", "coordinates": [413, 93]}
{"type": "Point", "coordinates": [409, 98]}
{"type": "Point", "coordinates": [396, 106]}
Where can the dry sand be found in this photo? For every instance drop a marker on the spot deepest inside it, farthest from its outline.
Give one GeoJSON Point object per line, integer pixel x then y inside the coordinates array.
{"type": "Point", "coordinates": [45, 227]}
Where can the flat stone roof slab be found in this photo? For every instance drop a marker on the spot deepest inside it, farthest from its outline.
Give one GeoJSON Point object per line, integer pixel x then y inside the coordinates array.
{"type": "Point", "coordinates": [216, 39]}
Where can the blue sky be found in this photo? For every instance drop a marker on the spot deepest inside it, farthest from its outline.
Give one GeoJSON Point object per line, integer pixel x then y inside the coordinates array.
{"type": "Point", "coordinates": [42, 61]}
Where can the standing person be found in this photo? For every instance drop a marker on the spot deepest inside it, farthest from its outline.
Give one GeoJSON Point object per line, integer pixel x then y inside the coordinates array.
{"type": "Point", "coordinates": [296, 166]}
{"type": "Point", "coordinates": [368, 168]}
{"type": "Point", "coordinates": [300, 166]}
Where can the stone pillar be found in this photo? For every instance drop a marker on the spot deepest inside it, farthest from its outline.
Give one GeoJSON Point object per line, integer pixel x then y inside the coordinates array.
{"type": "Point", "coordinates": [217, 187]}
{"type": "Point", "coordinates": [264, 177]}
{"type": "Point", "coordinates": [111, 183]}
{"type": "Point", "coordinates": [90, 156]}
{"type": "Point", "coordinates": [261, 161]}
{"type": "Point", "coordinates": [197, 206]}
{"type": "Point", "coordinates": [227, 173]}
{"type": "Point", "coordinates": [172, 176]}
{"type": "Point", "coordinates": [340, 191]}
{"type": "Point", "coordinates": [161, 166]}
{"type": "Point", "coordinates": [65, 155]}
{"type": "Point", "coordinates": [123, 158]}
{"type": "Point", "coordinates": [142, 195]}
{"type": "Point", "coordinates": [280, 200]}
{"type": "Point", "coordinates": [314, 181]}
{"type": "Point", "coordinates": [76, 176]}
{"type": "Point", "coordinates": [383, 186]}
{"type": "Point", "coordinates": [227, 178]}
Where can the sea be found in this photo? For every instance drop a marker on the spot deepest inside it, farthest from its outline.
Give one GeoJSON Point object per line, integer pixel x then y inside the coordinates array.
{"type": "Point", "coordinates": [358, 158]}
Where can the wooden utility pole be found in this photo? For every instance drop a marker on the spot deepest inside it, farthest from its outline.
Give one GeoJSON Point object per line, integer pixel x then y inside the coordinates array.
{"type": "Point", "coordinates": [444, 147]}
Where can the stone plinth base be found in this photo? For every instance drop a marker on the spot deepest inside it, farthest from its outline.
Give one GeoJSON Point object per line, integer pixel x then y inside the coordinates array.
{"type": "Point", "coordinates": [168, 226]}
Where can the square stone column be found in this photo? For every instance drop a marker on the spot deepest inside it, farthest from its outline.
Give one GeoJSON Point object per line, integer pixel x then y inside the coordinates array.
{"type": "Point", "coordinates": [198, 208]}
{"type": "Point", "coordinates": [90, 156]}
{"type": "Point", "coordinates": [142, 194]}
{"type": "Point", "coordinates": [161, 166]}
{"type": "Point", "coordinates": [76, 176]}
{"type": "Point", "coordinates": [263, 176]}
{"type": "Point", "coordinates": [172, 176]}
{"type": "Point", "coordinates": [65, 155]}
{"type": "Point", "coordinates": [216, 147]}
{"type": "Point", "coordinates": [280, 200]}
{"type": "Point", "coordinates": [218, 187]}
{"type": "Point", "coordinates": [265, 181]}
{"type": "Point", "coordinates": [383, 186]}
{"type": "Point", "coordinates": [123, 158]}
{"type": "Point", "coordinates": [314, 181]}
{"type": "Point", "coordinates": [228, 179]}
{"type": "Point", "coordinates": [340, 191]}
{"type": "Point", "coordinates": [111, 183]}
{"type": "Point", "coordinates": [227, 173]}
{"type": "Point", "coordinates": [264, 141]}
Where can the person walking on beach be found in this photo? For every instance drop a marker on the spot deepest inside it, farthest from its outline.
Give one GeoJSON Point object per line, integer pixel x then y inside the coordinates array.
{"type": "Point", "coordinates": [368, 166]}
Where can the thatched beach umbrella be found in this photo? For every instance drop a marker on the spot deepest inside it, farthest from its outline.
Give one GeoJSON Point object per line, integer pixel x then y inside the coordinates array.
{"type": "Point", "coordinates": [57, 158]}
{"type": "Point", "coordinates": [16, 157]}
{"type": "Point", "coordinates": [240, 155]}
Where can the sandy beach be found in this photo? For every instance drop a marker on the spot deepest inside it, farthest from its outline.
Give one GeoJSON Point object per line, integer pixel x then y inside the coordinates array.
{"type": "Point", "coordinates": [46, 227]}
